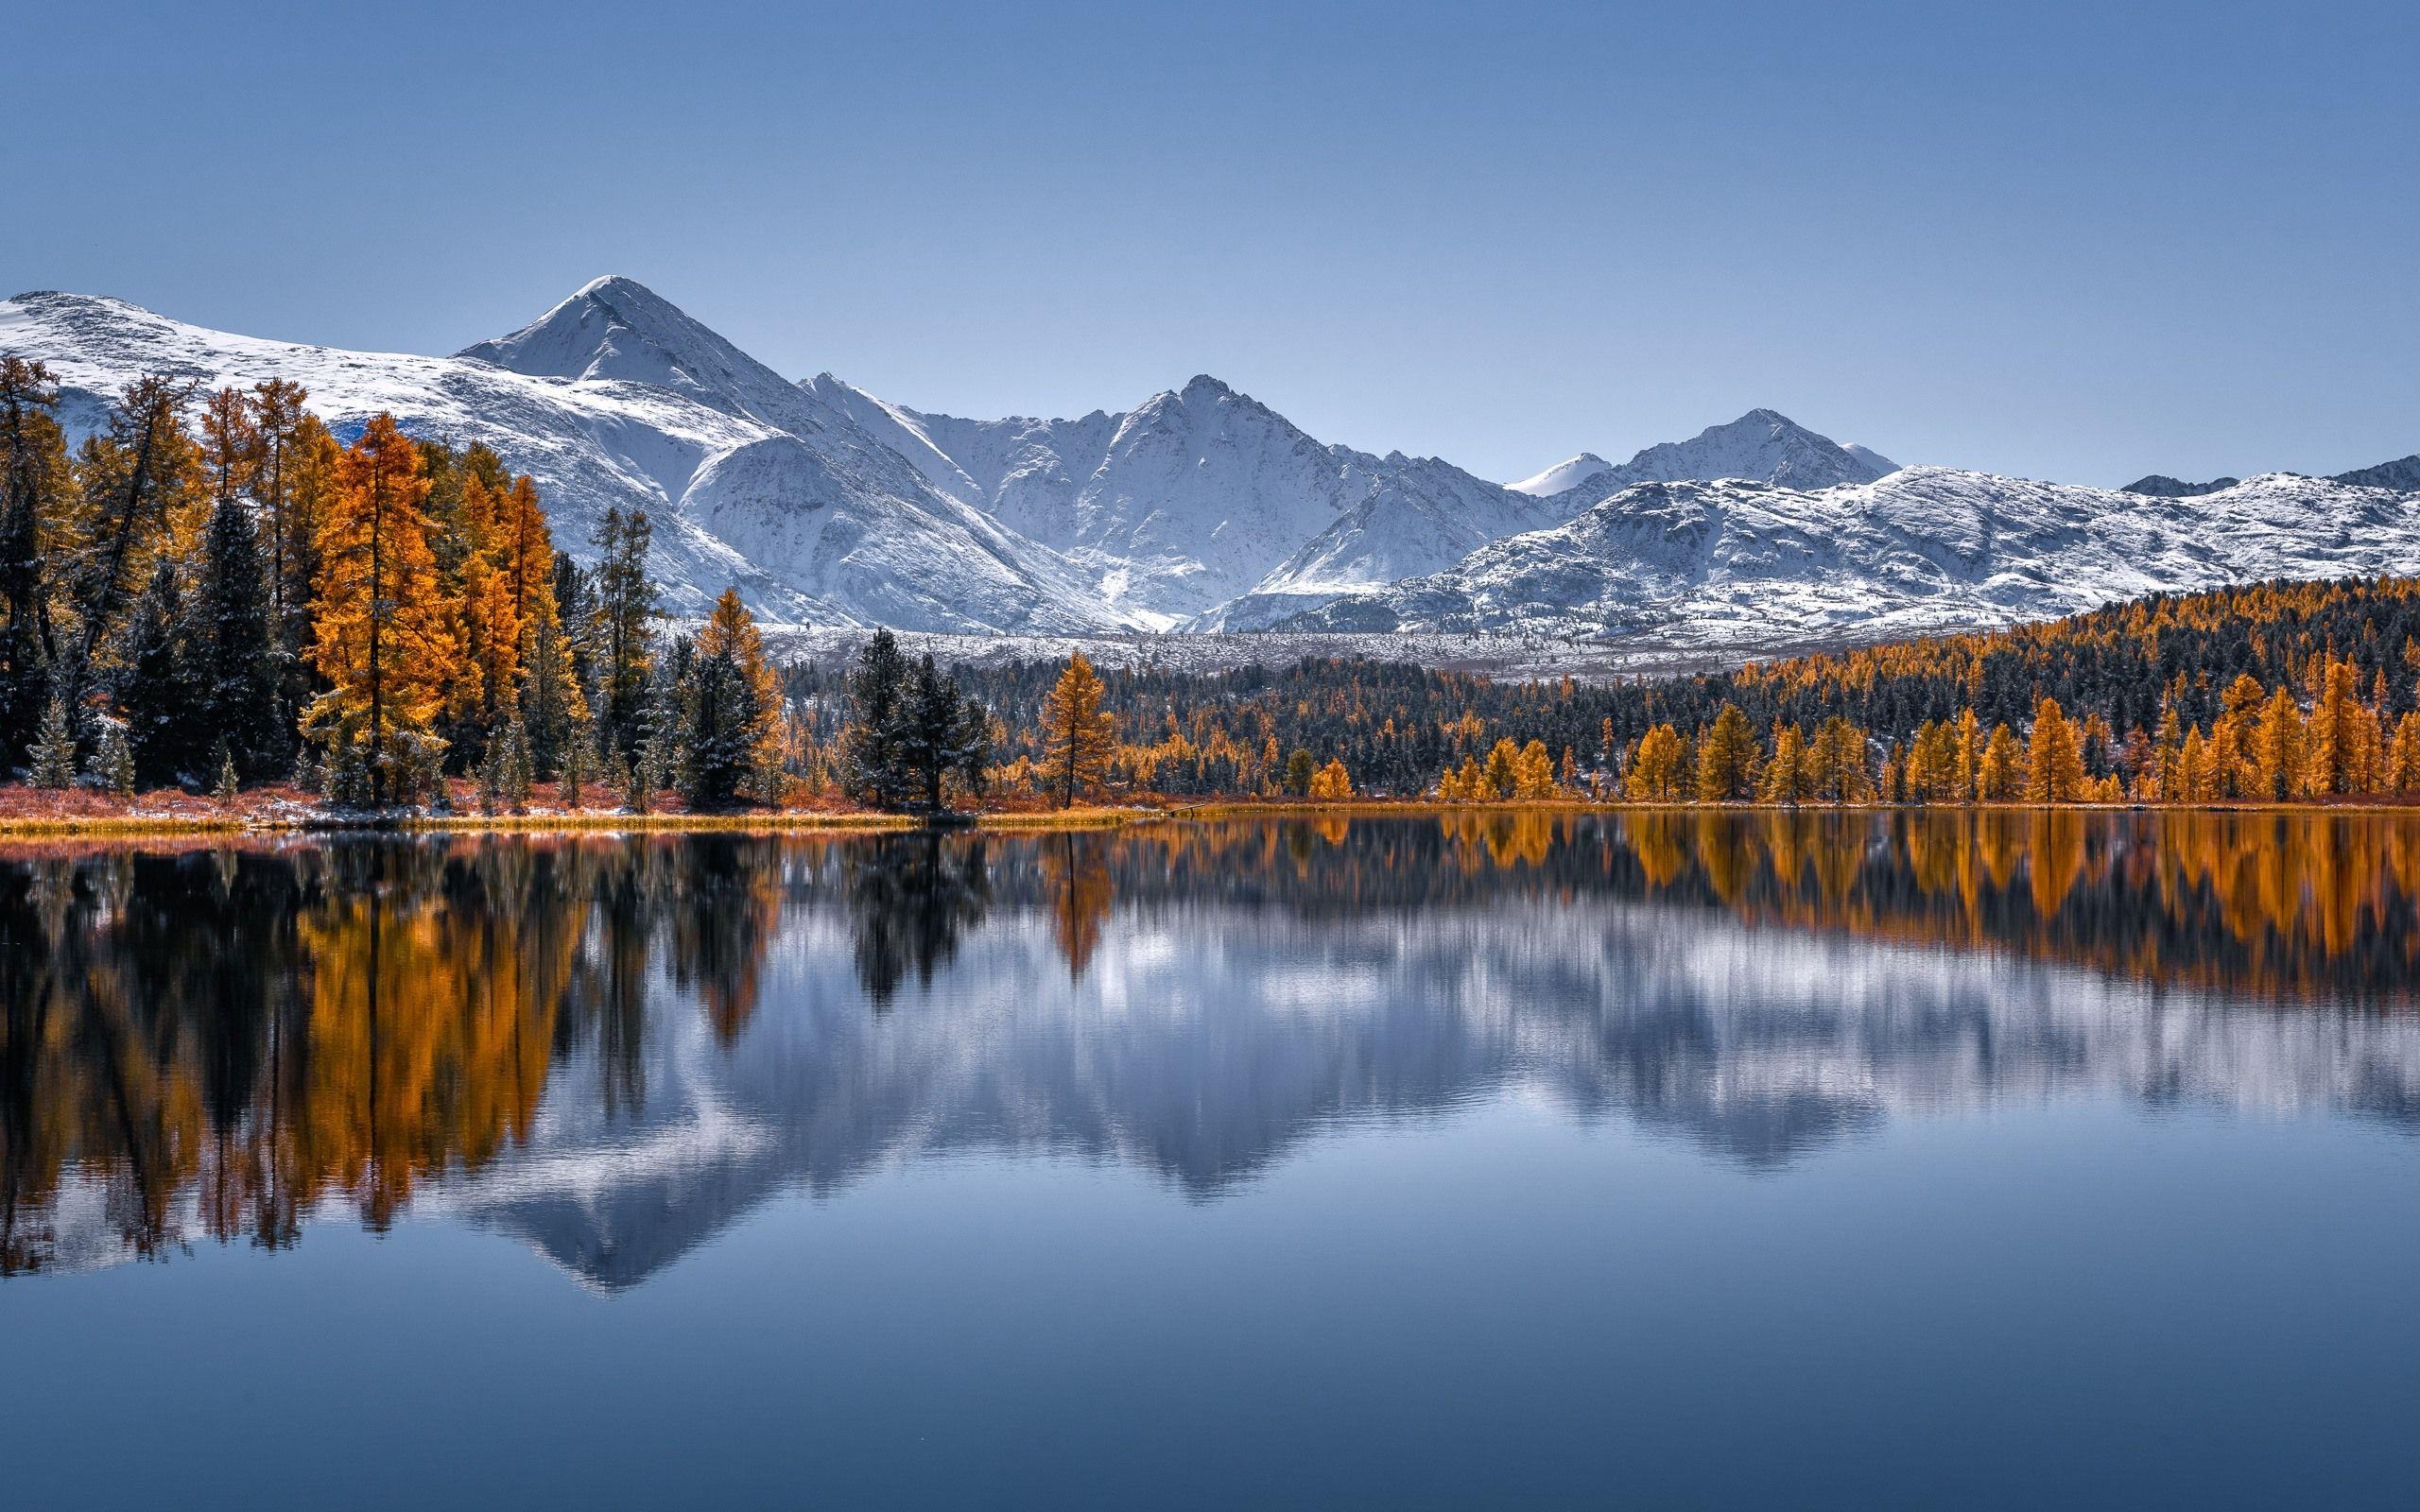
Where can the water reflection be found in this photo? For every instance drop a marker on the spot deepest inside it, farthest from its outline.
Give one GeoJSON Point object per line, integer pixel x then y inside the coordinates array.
{"type": "Point", "coordinates": [612, 1048]}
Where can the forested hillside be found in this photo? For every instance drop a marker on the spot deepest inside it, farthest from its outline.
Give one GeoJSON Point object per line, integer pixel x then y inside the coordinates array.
{"type": "Point", "coordinates": [2270, 691]}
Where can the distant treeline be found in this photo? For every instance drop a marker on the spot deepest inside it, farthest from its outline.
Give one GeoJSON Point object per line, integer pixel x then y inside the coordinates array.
{"type": "Point", "coordinates": [2275, 691]}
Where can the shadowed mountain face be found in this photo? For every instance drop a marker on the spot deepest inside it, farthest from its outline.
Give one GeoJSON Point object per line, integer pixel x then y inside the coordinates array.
{"type": "Point", "coordinates": [615, 1049]}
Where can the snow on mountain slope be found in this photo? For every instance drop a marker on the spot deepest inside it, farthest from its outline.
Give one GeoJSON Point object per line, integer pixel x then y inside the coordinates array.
{"type": "Point", "coordinates": [1761, 444]}
{"type": "Point", "coordinates": [1416, 515]}
{"type": "Point", "coordinates": [2402, 474]}
{"type": "Point", "coordinates": [1563, 476]}
{"type": "Point", "coordinates": [1744, 563]}
{"type": "Point", "coordinates": [1872, 458]}
{"type": "Point", "coordinates": [1198, 495]}
{"type": "Point", "coordinates": [616, 399]}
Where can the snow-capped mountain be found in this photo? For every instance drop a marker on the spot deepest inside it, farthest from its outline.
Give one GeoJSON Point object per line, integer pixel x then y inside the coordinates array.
{"type": "Point", "coordinates": [1743, 564]}
{"type": "Point", "coordinates": [614, 398]}
{"type": "Point", "coordinates": [1199, 495]}
{"type": "Point", "coordinates": [1203, 509]}
{"type": "Point", "coordinates": [1563, 476]}
{"type": "Point", "coordinates": [2160, 486]}
{"type": "Point", "coordinates": [1762, 444]}
{"type": "Point", "coordinates": [2402, 474]}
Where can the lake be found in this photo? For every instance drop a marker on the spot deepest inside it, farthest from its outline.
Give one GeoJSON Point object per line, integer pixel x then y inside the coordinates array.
{"type": "Point", "coordinates": [1555, 1159]}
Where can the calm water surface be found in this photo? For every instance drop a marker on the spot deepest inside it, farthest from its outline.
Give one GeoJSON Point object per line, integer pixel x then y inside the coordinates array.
{"type": "Point", "coordinates": [2052, 1160]}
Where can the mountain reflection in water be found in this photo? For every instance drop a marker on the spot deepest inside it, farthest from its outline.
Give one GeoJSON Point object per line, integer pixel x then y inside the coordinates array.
{"type": "Point", "coordinates": [615, 1047]}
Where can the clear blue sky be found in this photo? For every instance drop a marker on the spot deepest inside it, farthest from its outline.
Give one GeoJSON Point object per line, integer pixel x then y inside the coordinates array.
{"type": "Point", "coordinates": [2081, 242]}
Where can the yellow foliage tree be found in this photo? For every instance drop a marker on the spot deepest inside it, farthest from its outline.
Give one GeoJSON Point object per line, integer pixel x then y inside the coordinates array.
{"type": "Point", "coordinates": [2053, 760]}
{"type": "Point", "coordinates": [1786, 779]}
{"type": "Point", "coordinates": [1078, 735]}
{"type": "Point", "coordinates": [386, 638]}
{"type": "Point", "coordinates": [1533, 772]}
{"type": "Point", "coordinates": [1655, 763]}
{"type": "Point", "coordinates": [1332, 783]}
{"type": "Point", "coordinates": [2402, 774]}
{"type": "Point", "coordinates": [2001, 778]}
{"type": "Point", "coordinates": [1727, 757]}
{"type": "Point", "coordinates": [731, 629]}
{"type": "Point", "coordinates": [2277, 747]}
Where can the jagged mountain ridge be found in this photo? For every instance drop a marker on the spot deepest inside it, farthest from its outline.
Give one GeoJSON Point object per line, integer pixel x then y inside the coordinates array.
{"type": "Point", "coordinates": [1762, 444]}
{"type": "Point", "coordinates": [2160, 486]}
{"type": "Point", "coordinates": [1740, 564]}
{"type": "Point", "coordinates": [812, 519]}
{"type": "Point", "coordinates": [1199, 495]}
{"type": "Point", "coordinates": [1200, 509]}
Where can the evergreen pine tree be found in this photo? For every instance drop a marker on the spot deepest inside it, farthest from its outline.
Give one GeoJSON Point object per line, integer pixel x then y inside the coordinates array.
{"type": "Point", "coordinates": [236, 681]}
{"type": "Point", "coordinates": [941, 733]}
{"type": "Point", "coordinates": [625, 601]}
{"type": "Point", "coordinates": [54, 749]}
{"type": "Point", "coordinates": [112, 766]}
{"type": "Point", "coordinates": [871, 763]}
{"type": "Point", "coordinates": [720, 718]}
{"type": "Point", "coordinates": [34, 483]}
{"type": "Point", "coordinates": [224, 789]}
{"type": "Point", "coordinates": [160, 685]}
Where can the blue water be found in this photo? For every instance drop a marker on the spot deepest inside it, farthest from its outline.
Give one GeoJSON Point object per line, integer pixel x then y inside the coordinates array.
{"type": "Point", "coordinates": [1375, 1167]}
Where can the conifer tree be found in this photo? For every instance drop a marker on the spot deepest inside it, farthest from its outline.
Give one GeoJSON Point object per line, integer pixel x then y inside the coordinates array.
{"type": "Point", "coordinates": [54, 748]}
{"type": "Point", "coordinates": [1300, 769]}
{"type": "Point", "coordinates": [34, 481]}
{"type": "Point", "coordinates": [112, 768]}
{"type": "Point", "coordinates": [2279, 746]}
{"type": "Point", "coordinates": [2195, 778]}
{"type": "Point", "coordinates": [2341, 737]}
{"type": "Point", "coordinates": [2402, 763]}
{"type": "Point", "coordinates": [132, 476]}
{"type": "Point", "coordinates": [1836, 761]}
{"type": "Point", "coordinates": [161, 684]}
{"type": "Point", "coordinates": [1077, 735]}
{"type": "Point", "coordinates": [2054, 769]}
{"type": "Point", "coordinates": [1533, 773]}
{"type": "Point", "coordinates": [720, 716]}
{"type": "Point", "coordinates": [1999, 777]}
{"type": "Point", "coordinates": [943, 733]}
{"type": "Point", "coordinates": [871, 764]}
{"type": "Point", "coordinates": [1727, 758]}
{"type": "Point", "coordinates": [232, 636]}
{"type": "Point", "coordinates": [731, 631]}
{"type": "Point", "coordinates": [1655, 773]}
{"type": "Point", "coordinates": [626, 600]}
{"type": "Point", "coordinates": [1786, 781]}
{"type": "Point", "coordinates": [384, 636]}
{"type": "Point", "coordinates": [575, 763]}
{"type": "Point", "coordinates": [554, 710]}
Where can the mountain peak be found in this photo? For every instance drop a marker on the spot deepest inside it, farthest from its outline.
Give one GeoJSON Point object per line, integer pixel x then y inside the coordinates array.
{"type": "Point", "coordinates": [1565, 474]}
{"type": "Point", "coordinates": [617, 328]}
{"type": "Point", "coordinates": [615, 285]}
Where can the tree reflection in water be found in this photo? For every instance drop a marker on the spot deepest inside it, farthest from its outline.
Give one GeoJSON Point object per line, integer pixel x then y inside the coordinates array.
{"type": "Point", "coordinates": [202, 1043]}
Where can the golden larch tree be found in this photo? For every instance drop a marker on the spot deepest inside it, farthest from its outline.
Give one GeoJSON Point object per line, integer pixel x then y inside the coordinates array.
{"type": "Point", "coordinates": [385, 636]}
{"type": "Point", "coordinates": [2053, 758]}
{"type": "Point", "coordinates": [1078, 735]}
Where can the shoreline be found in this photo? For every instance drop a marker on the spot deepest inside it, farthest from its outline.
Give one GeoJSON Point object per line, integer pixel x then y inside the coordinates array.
{"type": "Point", "coordinates": [140, 825]}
